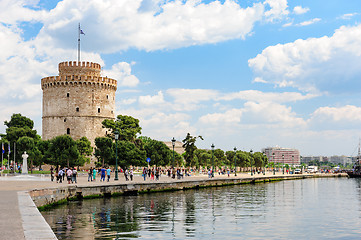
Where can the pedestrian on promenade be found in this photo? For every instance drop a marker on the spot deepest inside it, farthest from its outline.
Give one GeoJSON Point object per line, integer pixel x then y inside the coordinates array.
{"type": "Point", "coordinates": [157, 174]}
{"type": "Point", "coordinates": [228, 172]}
{"type": "Point", "coordinates": [74, 175]}
{"type": "Point", "coordinates": [152, 174]}
{"type": "Point", "coordinates": [90, 174]}
{"type": "Point", "coordinates": [144, 173]}
{"type": "Point", "coordinates": [131, 174]}
{"type": "Point", "coordinates": [64, 173]}
{"type": "Point", "coordinates": [108, 173]}
{"type": "Point", "coordinates": [52, 174]}
{"type": "Point", "coordinates": [94, 174]}
{"type": "Point", "coordinates": [60, 175]}
{"type": "Point", "coordinates": [69, 174]}
{"type": "Point", "coordinates": [102, 174]}
{"type": "Point", "coordinates": [126, 174]}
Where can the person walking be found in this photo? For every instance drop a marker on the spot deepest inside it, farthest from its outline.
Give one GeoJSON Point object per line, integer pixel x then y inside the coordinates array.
{"type": "Point", "coordinates": [69, 174]}
{"type": "Point", "coordinates": [126, 174]}
{"type": "Point", "coordinates": [90, 174]}
{"type": "Point", "coordinates": [131, 174]}
{"type": "Point", "coordinates": [144, 173]}
{"type": "Point", "coordinates": [102, 174]}
{"type": "Point", "coordinates": [60, 175]}
{"type": "Point", "coordinates": [94, 174]}
{"type": "Point", "coordinates": [74, 175]}
{"type": "Point", "coordinates": [108, 173]}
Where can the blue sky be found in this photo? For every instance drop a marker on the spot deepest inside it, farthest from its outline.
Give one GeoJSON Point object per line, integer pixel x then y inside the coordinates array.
{"type": "Point", "coordinates": [249, 74]}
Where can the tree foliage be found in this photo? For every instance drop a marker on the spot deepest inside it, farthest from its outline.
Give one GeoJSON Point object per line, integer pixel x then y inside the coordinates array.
{"type": "Point", "coordinates": [190, 147]}
{"type": "Point", "coordinates": [129, 154]}
{"type": "Point", "coordinates": [158, 152]}
{"type": "Point", "coordinates": [104, 151]}
{"type": "Point", "coordinates": [127, 126]}
{"type": "Point", "coordinates": [85, 150]}
{"type": "Point", "coordinates": [63, 151]}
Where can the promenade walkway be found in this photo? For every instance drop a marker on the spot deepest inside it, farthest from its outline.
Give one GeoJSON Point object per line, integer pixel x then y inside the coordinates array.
{"type": "Point", "coordinates": [20, 218]}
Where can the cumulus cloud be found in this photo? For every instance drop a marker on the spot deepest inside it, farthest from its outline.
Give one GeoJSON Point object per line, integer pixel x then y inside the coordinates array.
{"type": "Point", "coordinates": [152, 100]}
{"type": "Point", "coordinates": [278, 9]}
{"type": "Point", "coordinates": [330, 64]}
{"type": "Point", "coordinates": [309, 22]}
{"type": "Point", "coordinates": [300, 10]}
{"type": "Point", "coordinates": [122, 72]}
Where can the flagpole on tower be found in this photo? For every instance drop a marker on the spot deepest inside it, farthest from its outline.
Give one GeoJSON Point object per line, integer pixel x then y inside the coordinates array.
{"type": "Point", "coordinates": [79, 43]}
{"type": "Point", "coordinates": [79, 33]}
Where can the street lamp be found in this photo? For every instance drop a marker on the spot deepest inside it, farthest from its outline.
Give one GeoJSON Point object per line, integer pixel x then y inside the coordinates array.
{"type": "Point", "coordinates": [212, 146]}
{"type": "Point", "coordinates": [293, 163]}
{"type": "Point", "coordinates": [274, 164]}
{"type": "Point", "coordinates": [283, 165]}
{"type": "Point", "coordinates": [251, 162]}
{"type": "Point", "coordinates": [235, 166]}
{"type": "Point", "coordinates": [116, 137]}
{"type": "Point", "coordinates": [264, 155]}
{"type": "Point", "coordinates": [173, 144]}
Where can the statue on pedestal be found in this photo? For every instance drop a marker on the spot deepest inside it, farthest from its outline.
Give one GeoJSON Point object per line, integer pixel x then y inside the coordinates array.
{"type": "Point", "coordinates": [24, 169]}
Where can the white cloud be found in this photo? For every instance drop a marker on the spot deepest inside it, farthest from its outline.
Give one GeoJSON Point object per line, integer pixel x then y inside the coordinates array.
{"type": "Point", "coordinates": [348, 113]}
{"type": "Point", "coordinates": [258, 96]}
{"type": "Point", "coordinates": [152, 100]}
{"type": "Point", "coordinates": [348, 16]}
{"type": "Point", "coordinates": [315, 64]}
{"type": "Point", "coordinates": [122, 72]}
{"type": "Point", "coordinates": [300, 10]}
{"type": "Point", "coordinates": [12, 12]}
{"type": "Point", "coordinates": [278, 9]}
{"type": "Point", "coordinates": [309, 22]}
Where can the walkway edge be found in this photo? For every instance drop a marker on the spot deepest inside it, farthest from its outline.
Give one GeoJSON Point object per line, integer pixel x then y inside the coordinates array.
{"type": "Point", "coordinates": [34, 224]}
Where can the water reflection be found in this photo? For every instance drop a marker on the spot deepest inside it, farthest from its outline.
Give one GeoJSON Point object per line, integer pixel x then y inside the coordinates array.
{"type": "Point", "coordinates": [311, 208]}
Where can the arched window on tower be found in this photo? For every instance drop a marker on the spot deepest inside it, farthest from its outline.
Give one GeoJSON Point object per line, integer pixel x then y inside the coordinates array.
{"type": "Point", "coordinates": [68, 131]}
{"type": "Point", "coordinates": [77, 109]}
{"type": "Point", "coordinates": [67, 94]}
{"type": "Point", "coordinates": [98, 110]}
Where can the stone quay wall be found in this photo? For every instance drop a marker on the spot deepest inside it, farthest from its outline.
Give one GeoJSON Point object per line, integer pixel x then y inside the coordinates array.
{"type": "Point", "coordinates": [51, 196]}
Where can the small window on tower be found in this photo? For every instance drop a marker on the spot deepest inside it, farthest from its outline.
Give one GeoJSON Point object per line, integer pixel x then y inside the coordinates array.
{"type": "Point", "coordinates": [67, 95]}
{"type": "Point", "coordinates": [77, 109]}
{"type": "Point", "coordinates": [68, 131]}
{"type": "Point", "coordinates": [107, 97]}
{"type": "Point", "coordinates": [64, 119]}
{"type": "Point", "coordinates": [98, 110]}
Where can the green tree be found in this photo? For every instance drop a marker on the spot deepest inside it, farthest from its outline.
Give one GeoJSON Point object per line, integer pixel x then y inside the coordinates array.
{"type": "Point", "coordinates": [85, 150]}
{"type": "Point", "coordinates": [220, 158]}
{"type": "Point", "coordinates": [127, 126]}
{"type": "Point", "coordinates": [158, 152]}
{"type": "Point", "coordinates": [104, 150]}
{"type": "Point", "coordinates": [129, 154]}
{"type": "Point", "coordinates": [19, 126]}
{"type": "Point", "coordinates": [29, 145]}
{"type": "Point", "coordinates": [63, 151]}
{"type": "Point", "coordinates": [190, 147]}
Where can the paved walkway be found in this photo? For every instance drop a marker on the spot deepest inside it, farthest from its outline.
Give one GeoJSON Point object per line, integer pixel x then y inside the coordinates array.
{"type": "Point", "coordinates": [19, 217]}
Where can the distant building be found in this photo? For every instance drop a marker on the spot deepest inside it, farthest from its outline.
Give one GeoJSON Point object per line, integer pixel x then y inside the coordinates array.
{"type": "Point", "coordinates": [307, 159]}
{"type": "Point", "coordinates": [344, 160]}
{"type": "Point", "coordinates": [282, 155]}
{"type": "Point", "coordinates": [178, 147]}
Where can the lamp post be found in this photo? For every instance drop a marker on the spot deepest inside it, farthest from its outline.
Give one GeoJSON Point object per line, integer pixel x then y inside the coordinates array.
{"type": "Point", "coordinates": [116, 136]}
{"type": "Point", "coordinates": [283, 164]}
{"type": "Point", "coordinates": [264, 164]}
{"type": "Point", "coordinates": [274, 164]}
{"type": "Point", "coordinates": [235, 166]}
{"type": "Point", "coordinates": [293, 163]}
{"type": "Point", "coordinates": [251, 162]}
{"type": "Point", "coordinates": [173, 144]}
{"type": "Point", "coordinates": [212, 146]}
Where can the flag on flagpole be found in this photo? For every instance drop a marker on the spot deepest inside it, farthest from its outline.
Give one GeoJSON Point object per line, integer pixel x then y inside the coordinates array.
{"type": "Point", "coordinates": [9, 149]}
{"type": "Point", "coordinates": [81, 32]}
{"type": "Point", "coordinates": [3, 148]}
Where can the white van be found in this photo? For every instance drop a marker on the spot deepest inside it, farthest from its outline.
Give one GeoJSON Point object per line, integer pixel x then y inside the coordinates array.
{"type": "Point", "coordinates": [312, 169]}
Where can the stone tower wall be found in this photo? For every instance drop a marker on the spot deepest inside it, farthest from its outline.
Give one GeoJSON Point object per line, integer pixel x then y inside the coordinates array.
{"type": "Point", "coordinates": [77, 101]}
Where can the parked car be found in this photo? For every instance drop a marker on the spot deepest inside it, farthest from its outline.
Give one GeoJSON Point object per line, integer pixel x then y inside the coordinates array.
{"type": "Point", "coordinates": [297, 171]}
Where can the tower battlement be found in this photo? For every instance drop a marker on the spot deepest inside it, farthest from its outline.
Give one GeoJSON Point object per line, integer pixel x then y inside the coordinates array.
{"type": "Point", "coordinates": [71, 80]}
{"type": "Point", "coordinates": [79, 68]}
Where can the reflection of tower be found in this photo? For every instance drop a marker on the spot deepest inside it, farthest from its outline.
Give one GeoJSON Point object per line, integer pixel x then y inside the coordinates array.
{"type": "Point", "coordinates": [77, 101]}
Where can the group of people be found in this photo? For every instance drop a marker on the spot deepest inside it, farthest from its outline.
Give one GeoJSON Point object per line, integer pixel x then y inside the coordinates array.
{"type": "Point", "coordinates": [93, 172]}
{"type": "Point", "coordinates": [61, 173]}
